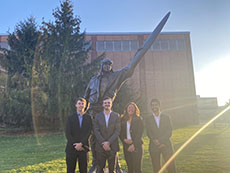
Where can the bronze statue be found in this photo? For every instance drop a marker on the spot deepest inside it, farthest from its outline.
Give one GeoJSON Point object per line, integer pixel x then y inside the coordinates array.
{"type": "Point", "coordinates": [108, 82]}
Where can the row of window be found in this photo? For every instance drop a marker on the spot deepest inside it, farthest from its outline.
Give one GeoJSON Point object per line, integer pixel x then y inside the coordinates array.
{"type": "Point", "coordinates": [130, 45]}
{"type": "Point", "coordinates": [4, 45]}
{"type": "Point", "coordinates": [133, 45]}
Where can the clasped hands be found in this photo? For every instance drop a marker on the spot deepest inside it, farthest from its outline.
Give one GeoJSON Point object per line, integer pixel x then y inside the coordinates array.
{"type": "Point", "coordinates": [158, 144]}
{"type": "Point", "coordinates": [106, 146]}
{"type": "Point", "coordinates": [130, 142]}
{"type": "Point", "coordinates": [78, 146]}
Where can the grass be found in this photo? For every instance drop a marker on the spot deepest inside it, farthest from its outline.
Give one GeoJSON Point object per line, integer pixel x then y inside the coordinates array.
{"type": "Point", "coordinates": [209, 152]}
{"type": "Point", "coordinates": [19, 151]}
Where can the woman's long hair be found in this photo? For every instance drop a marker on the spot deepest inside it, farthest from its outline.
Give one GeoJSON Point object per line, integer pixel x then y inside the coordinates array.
{"type": "Point", "coordinates": [136, 113]}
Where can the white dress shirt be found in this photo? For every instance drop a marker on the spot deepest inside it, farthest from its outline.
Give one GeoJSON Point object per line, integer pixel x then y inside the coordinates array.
{"type": "Point", "coordinates": [128, 131]}
{"type": "Point", "coordinates": [157, 119]}
{"type": "Point", "coordinates": [107, 118]}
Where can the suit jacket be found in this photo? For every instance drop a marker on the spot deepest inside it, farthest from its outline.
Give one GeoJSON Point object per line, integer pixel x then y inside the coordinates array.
{"type": "Point", "coordinates": [109, 133]}
{"type": "Point", "coordinates": [163, 133]}
{"type": "Point", "coordinates": [136, 131]}
{"type": "Point", "coordinates": [76, 134]}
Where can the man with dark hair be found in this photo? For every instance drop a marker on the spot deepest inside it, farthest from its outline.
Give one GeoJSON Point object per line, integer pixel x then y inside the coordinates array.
{"type": "Point", "coordinates": [159, 131]}
{"type": "Point", "coordinates": [78, 130]}
{"type": "Point", "coordinates": [107, 129]}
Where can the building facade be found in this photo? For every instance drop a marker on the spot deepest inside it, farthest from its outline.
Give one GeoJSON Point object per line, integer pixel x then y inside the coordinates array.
{"type": "Point", "coordinates": [4, 42]}
{"type": "Point", "coordinates": [207, 108]}
{"type": "Point", "coordinates": [3, 72]}
{"type": "Point", "coordinates": [166, 71]}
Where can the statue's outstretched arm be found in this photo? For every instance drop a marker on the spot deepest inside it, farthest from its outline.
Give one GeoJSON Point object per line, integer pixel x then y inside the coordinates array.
{"type": "Point", "coordinates": [141, 52]}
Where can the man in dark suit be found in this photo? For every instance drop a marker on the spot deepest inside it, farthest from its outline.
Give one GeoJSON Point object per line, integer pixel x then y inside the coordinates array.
{"type": "Point", "coordinates": [159, 131]}
{"type": "Point", "coordinates": [78, 130]}
{"type": "Point", "coordinates": [107, 129]}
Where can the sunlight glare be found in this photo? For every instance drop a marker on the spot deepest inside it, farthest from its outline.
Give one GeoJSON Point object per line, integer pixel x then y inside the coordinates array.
{"type": "Point", "coordinates": [213, 81]}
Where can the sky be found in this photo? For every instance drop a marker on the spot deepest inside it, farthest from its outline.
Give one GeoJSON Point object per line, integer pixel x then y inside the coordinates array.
{"type": "Point", "coordinates": [208, 22]}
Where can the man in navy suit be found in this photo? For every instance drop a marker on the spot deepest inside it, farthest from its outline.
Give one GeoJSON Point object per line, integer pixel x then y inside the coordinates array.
{"type": "Point", "coordinates": [159, 131]}
{"type": "Point", "coordinates": [107, 130]}
{"type": "Point", "coordinates": [78, 130]}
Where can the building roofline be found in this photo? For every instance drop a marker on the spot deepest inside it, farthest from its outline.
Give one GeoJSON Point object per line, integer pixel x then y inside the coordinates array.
{"type": "Point", "coordinates": [125, 33]}
{"type": "Point", "coordinates": [133, 33]}
{"type": "Point", "coordinates": [199, 97]}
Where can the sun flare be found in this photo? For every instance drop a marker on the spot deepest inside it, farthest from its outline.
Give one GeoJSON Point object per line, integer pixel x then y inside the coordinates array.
{"type": "Point", "coordinates": [214, 80]}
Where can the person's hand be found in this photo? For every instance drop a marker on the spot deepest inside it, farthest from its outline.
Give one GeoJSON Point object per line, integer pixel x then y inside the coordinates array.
{"type": "Point", "coordinates": [131, 148]}
{"type": "Point", "coordinates": [156, 142]}
{"type": "Point", "coordinates": [106, 146]}
{"type": "Point", "coordinates": [161, 146]}
{"type": "Point", "coordinates": [128, 141]}
{"type": "Point", "coordinates": [78, 146]}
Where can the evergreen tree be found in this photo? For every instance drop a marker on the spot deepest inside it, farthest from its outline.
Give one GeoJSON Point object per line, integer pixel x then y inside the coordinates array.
{"type": "Point", "coordinates": [47, 70]}
{"type": "Point", "coordinates": [18, 62]}
{"type": "Point", "coordinates": [66, 52]}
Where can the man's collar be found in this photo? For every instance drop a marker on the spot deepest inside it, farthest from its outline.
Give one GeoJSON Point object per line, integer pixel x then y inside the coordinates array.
{"type": "Point", "coordinates": [157, 116]}
{"type": "Point", "coordinates": [78, 114]}
{"type": "Point", "coordinates": [107, 114]}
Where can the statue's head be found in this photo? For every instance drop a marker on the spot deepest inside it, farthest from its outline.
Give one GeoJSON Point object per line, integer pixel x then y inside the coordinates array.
{"type": "Point", "coordinates": [106, 65]}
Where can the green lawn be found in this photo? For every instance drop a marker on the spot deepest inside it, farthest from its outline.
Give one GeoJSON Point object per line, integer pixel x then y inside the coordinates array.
{"type": "Point", "coordinates": [209, 152]}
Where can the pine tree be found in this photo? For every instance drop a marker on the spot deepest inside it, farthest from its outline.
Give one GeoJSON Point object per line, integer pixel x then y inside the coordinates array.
{"type": "Point", "coordinates": [66, 52]}
{"type": "Point", "coordinates": [18, 62]}
{"type": "Point", "coordinates": [47, 70]}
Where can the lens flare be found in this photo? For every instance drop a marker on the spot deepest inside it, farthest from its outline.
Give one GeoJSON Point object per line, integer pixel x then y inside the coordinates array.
{"type": "Point", "coordinates": [191, 138]}
{"type": "Point", "coordinates": [35, 112]}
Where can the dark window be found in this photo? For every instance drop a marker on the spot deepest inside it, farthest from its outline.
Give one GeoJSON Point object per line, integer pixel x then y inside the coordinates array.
{"type": "Point", "coordinates": [4, 45]}
{"type": "Point", "coordinates": [109, 46]}
{"type": "Point", "coordinates": [134, 45]}
{"type": "Point", "coordinates": [164, 45]}
{"type": "Point", "coordinates": [156, 45]}
{"type": "Point", "coordinates": [117, 46]}
{"type": "Point", "coordinates": [100, 46]}
{"type": "Point", "coordinates": [125, 46]}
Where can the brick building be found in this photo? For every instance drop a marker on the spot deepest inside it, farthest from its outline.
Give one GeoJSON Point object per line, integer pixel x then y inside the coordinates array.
{"type": "Point", "coordinates": [166, 71]}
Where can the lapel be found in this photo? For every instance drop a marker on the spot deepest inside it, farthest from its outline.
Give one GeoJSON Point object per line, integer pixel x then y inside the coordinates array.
{"type": "Point", "coordinates": [131, 125]}
{"type": "Point", "coordinates": [125, 125]}
{"type": "Point", "coordinates": [103, 119]}
{"type": "Point", "coordinates": [110, 119]}
{"type": "Point", "coordinates": [83, 120]}
{"type": "Point", "coordinates": [77, 123]}
{"type": "Point", "coordinates": [161, 121]}
{"type": "Point", "coordinates": [154, 121]}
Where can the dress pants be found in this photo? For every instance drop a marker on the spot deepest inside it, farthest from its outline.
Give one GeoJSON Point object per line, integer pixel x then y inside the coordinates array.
{"type": "Point", "coordinates": [167, 152]}
{"type": "Point", "coordinates": [133, 159]}
{"type": "Point", "coordinates": [72, 158]}
{"type": "Point", "coordinates": [111, 156]}
{"type": "Point", "coordinates": [93, 149]}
